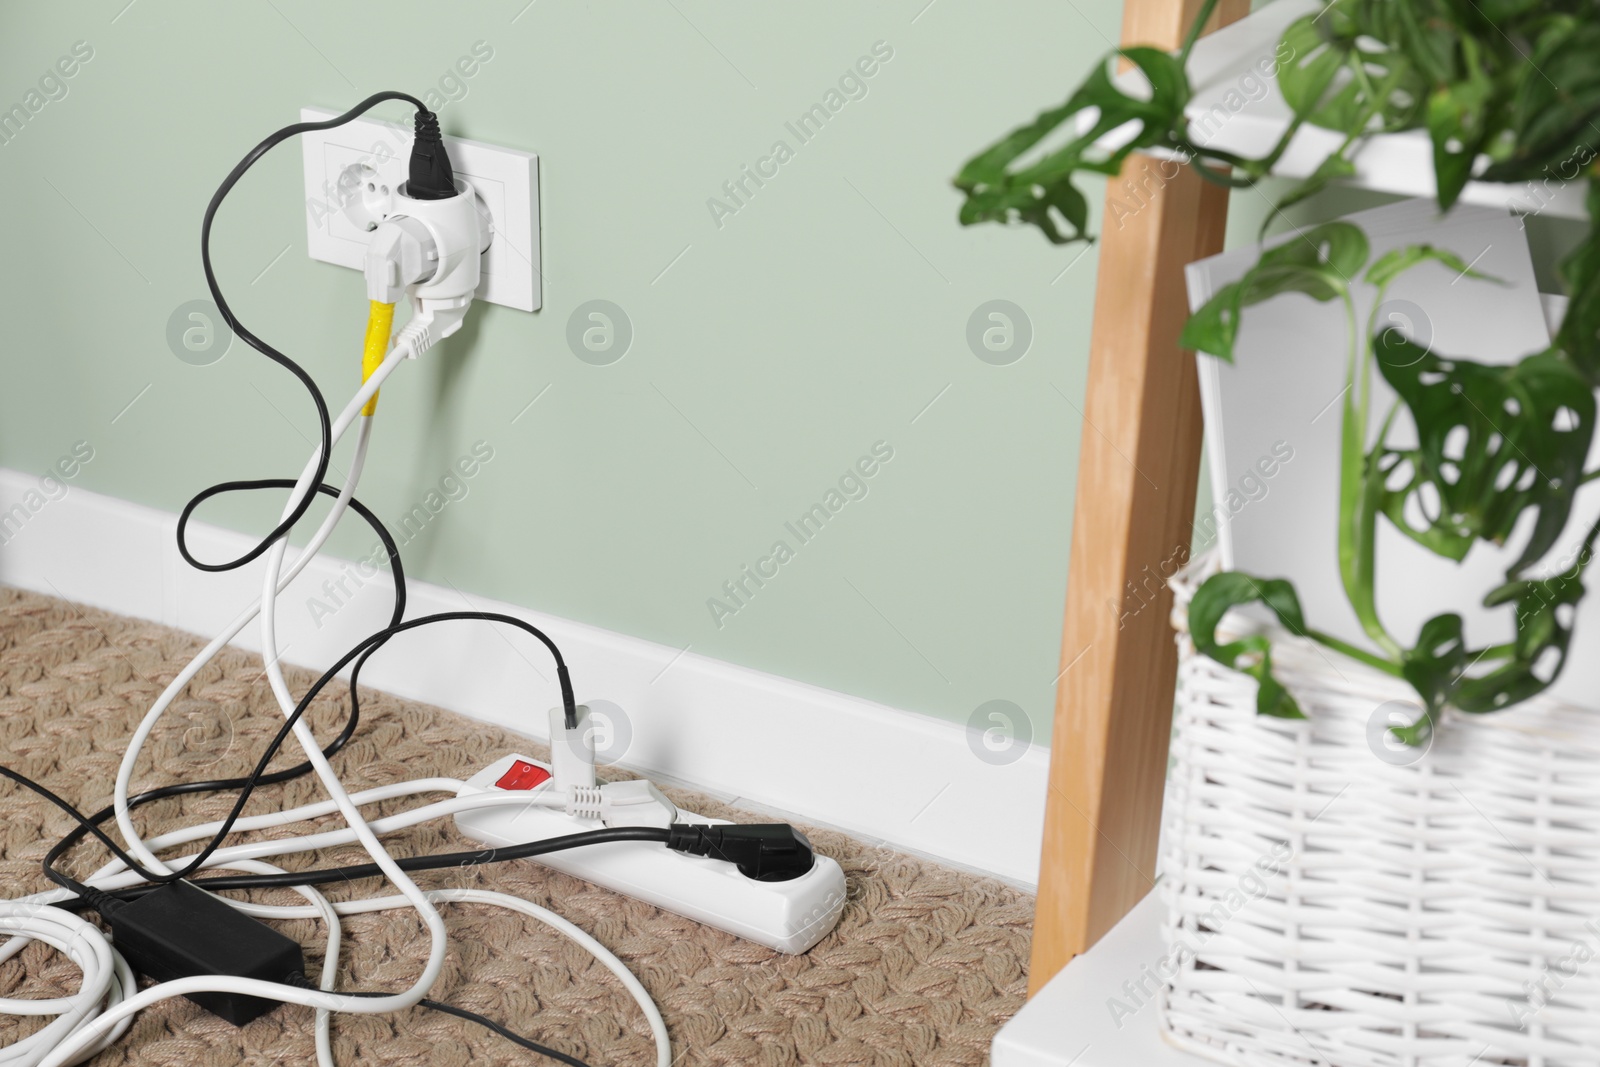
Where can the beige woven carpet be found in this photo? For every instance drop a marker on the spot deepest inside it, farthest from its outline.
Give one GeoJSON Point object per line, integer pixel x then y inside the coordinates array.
{"type": "Point", "coordinates": [923, 968]}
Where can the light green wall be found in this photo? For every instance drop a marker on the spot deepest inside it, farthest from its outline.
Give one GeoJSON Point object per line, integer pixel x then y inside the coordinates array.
{"type": "Point", "coordinates": [822, 318]}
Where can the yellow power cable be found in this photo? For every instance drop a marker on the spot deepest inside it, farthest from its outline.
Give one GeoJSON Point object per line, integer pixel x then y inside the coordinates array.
{"type": "Point", "coordinates": [380, 321]}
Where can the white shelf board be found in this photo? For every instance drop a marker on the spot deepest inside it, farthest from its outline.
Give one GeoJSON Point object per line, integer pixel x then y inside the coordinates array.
{"type": "Point", "coordinates": [1069, 1023]}
{"type": "Point", "coordinates": [1225, 70]}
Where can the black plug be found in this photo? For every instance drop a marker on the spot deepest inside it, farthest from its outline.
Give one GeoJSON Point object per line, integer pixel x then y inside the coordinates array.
{"type": "Point", "coordinates": [431, 177]}
{"type": "Point", "coordinates": [179, 931]}
{"type": "Point", "coordinates": [767, 852]}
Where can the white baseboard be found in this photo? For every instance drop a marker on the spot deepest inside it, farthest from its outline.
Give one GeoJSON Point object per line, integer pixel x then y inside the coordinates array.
{"type": "Point", "coordinates": [904, 779]}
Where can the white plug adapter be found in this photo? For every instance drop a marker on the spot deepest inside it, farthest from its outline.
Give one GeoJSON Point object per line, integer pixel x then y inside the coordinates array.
{"type": "Point", "coordinates": [635, 802]}
{"type": "Point", "coordinates": [400, 254]}
{"type": "Point", "coordinates": [430, 250]}
{"type": "Point", "coordinates": [571, 751]}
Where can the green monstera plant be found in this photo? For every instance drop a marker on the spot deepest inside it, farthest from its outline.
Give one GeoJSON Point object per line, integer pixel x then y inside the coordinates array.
{"type": "Point", "coordinates": [1508, 91]}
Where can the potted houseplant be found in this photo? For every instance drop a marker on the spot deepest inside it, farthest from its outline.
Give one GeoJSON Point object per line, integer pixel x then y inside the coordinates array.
{"type": "Point", "coordinates": [1415, 910]}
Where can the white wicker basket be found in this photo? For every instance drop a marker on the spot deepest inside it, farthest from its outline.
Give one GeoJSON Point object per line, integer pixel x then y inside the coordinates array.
{"type": "Point", "coordinates": [1329, 902]}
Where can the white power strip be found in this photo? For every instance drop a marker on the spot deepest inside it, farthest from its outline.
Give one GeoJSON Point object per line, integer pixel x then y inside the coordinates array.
{"type": "Point", "coordinates": [789, 916]}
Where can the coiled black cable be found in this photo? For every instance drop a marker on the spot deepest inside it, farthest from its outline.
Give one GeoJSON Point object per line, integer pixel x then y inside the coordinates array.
{"type": "Point", "coordinates": [239, 328]}
{"type": "Point", "coordinates": [91, 824]}
{"type": "Point", "coordinates": [362, 651]}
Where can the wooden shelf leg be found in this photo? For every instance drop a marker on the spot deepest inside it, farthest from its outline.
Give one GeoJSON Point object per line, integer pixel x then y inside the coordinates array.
{"type": "Point", "coordinates": [1131, 529]}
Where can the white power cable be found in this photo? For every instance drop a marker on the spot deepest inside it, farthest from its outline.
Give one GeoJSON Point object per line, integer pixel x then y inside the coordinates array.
{"type": "Point", "coordinates": [102, 1010]}
{"type": "Point", "coordinates": [106, 976]}
{"type": "Point", "coordinates": [636, 989]}
{"type": "Point", "coordinates": [302, 732]}
{"type": "Point", "coordinates": [246, 857]}
{"type": "Point", "coordinates": [330, 780]}
{"type": "Point", "coordinates": [107, 980]}
{"type": "Point", "coordinates": [88, 1038]}
{"type": "Point", "coordinates": [115, 1013]}
{"type": "Point", "coordinates": [142, 732]}
{"type": "Point", "coordinates": [114, 876]}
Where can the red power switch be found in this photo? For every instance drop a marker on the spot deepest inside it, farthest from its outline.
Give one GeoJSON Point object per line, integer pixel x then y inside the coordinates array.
{"type": "Point", "coordinates": [523, 775]}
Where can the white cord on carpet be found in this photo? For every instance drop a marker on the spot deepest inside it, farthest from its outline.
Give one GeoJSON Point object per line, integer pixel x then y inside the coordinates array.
{"type": "Point", "coordinates": [142, 732]}
{"type": "Point", "coordinates": [302, 732]}
{"type": "Point", "coordinates": [108, 1014]}
{"type": "Point", "coordinates": [102, 1010]}
{"type": "Point", "coordinates": [107, 981]}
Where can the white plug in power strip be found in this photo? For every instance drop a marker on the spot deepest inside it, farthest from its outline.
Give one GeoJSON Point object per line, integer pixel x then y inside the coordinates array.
{"type": "Point", "coordinates": [788, 916]}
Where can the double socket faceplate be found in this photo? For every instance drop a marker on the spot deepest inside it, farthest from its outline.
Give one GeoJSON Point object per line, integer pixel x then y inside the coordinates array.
{"type": "Point", "coordinates": [352, 173]}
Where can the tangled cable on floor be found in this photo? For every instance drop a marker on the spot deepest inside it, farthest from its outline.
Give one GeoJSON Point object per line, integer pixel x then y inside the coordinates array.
{"type": "Point", "coordinates": [101, 1011]}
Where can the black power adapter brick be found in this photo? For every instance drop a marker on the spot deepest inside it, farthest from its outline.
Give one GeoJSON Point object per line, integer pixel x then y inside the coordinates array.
{"type": "Point", "coordinates": [180, 931]}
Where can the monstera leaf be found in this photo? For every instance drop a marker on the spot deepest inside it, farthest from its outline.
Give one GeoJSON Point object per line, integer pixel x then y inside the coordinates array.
{"type": "Point", "coordinates": [1492, 442]}
{"type": "Point", "coordinates": [1319, 263]}
{"type": "Point", "coordinates": [1579, 337]}
{"type": "Point", "coordinates": [1462, 119]}
{"type": "Point", "coordinates": [1434, 668]}
{"type": "Point", "coordinates": [1544, 612]}
{"type": "Point", "coordinates": [1550, 119]}
{"type": "Point", "coordinates": [1001, 188]}
{"type": "Point", "coordinates": [1252, 654]}
{"type": "Point", "coordinates": [1342, 78]}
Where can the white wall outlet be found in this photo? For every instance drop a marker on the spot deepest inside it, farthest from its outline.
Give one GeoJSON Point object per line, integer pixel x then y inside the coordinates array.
{"type": "Point", "coordinates": [352, 172]}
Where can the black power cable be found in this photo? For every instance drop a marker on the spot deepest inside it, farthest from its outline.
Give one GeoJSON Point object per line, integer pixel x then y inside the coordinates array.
{"type": "Point", "coordinates": [303, 982]}
{"type": "Point", "coordinates": [766, 852]}
{"type": "Point", "coordinates": [527, 1043]}
{"type": "Point", "coordinates": [426, 120]}
{"type": "Point", "coordinates": [431, 173]}
{"type": "Point", "coordinates": [325, 425]}
{"type": "Point", "coordinates": [436, 862]}
{"type": "Point", "coordinates": [433, 177]}
{"type": "Point", "coordinates": [91, 824]}
{"type": "Point", "coordinates": [363, 649]}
